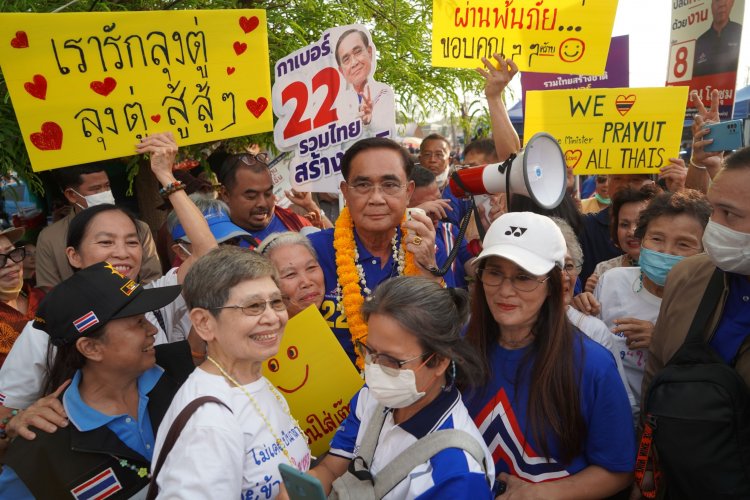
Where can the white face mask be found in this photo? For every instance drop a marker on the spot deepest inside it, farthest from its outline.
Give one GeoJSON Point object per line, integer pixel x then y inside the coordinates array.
{"type": "Point", "coordinates": [728, 249]}
{"type": "Point", "coordinates": [442, 178]}
{"type": "Point", "coordinates": [392, 392]}
{"type": "Point", "coordinates": [92, 200]}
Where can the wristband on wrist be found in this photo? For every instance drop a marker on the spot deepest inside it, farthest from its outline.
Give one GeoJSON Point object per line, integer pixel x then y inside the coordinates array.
{"type": "Point", "coordinates": [699, 167]}
{"type": "Point", "coordinates": [4, 423]}
{"type": "Point", "coordinates": [171, 188]}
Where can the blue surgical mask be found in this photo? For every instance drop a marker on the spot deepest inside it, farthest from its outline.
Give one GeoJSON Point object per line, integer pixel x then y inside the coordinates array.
{"type": "Point", "coordinates": [656, 265]}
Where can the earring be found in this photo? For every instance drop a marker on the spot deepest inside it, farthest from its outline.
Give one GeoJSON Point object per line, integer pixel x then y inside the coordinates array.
{"type": "Point", "coordinates": [452, 377]}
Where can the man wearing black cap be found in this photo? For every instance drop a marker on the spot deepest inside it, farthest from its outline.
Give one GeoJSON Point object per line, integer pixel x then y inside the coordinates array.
{"type": "Point", "coordinates": [118, 394]}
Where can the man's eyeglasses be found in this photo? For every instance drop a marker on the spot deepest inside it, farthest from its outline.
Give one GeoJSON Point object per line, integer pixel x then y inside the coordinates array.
{"type": "Point", "coordinates": [389, 188]}
{"type": "Point", "coordinates": [521, 282]}
{"type": "Point", "coordinates": [429, 154]}
{"type": "Point", "coordinates": [16, 255]}
{"type": "Point", "coordinates": [257, 308]}
{"type": "Point", "coordinates": [389, 364]}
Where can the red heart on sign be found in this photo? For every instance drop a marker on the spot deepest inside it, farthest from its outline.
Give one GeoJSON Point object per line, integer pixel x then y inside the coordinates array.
{"type": "Point", "coordinates": [572, 157]}
{"type": "Point", "coordinates": [37, 87]}
{"type": "Point", "coordinates": [624, 103]}
{"type": "Point", "coordinates": [230, 70]}
{"type": "Point", "coordinates": [239, 47]}
{"type": "Point", "coordinates": [21, 41]}
{"type": "Point", "coordinates": [257, 107]}
{"type": "Point", "coordinates": [50, 138]}
{"type": "Point", "coordinates": [104, 87]}
{"type": "Point", "coordinates": [248, 25]}
{"type": "Point", "coordinates": [156, 118]}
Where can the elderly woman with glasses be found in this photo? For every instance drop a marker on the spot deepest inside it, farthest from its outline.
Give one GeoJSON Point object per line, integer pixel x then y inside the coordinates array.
{"type": "Point", "coordinates": [232, 450]}
{"type": "Point", "coordinates": [18, 300]}
{"type": "Point", "coordinates": [552, 407]}
{"type": "Point", "coordinates": [415, 360]}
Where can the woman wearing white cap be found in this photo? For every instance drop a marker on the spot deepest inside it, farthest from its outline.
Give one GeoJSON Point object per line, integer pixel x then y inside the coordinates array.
{"type": "Point", "coordinates": [553, 409]}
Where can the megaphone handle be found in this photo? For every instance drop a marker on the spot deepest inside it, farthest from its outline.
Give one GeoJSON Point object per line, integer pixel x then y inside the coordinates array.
{"type": "Point", "coordinates": [478, 219]}
{"type": "Point", "coordinates": [456, 244]}
{"type": "Point", "coordinates": [509, 162]}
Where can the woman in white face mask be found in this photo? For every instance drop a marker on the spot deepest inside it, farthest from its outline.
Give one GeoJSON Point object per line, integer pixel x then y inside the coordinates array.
{"type": "Point", "coordinates": [18, 301]}
{"type": "Point", "coordinates": [414, 360]}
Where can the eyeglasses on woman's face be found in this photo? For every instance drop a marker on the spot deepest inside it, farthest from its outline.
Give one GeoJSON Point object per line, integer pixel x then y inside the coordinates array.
{"type": "Point", "coordinates": [257, 308]}
{"type": "Point", "coordinates": [389, 364]}
{"type": "Point", "coordinates": [492, 277]}
{"type": "Point", "coordinates": [16, 255]}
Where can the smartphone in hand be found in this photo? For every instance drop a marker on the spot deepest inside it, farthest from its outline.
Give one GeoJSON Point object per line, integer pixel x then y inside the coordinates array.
{"type": "Point", "coordinates": [301, 486]}
{"type": "Point", "coordinates": [727, 136]}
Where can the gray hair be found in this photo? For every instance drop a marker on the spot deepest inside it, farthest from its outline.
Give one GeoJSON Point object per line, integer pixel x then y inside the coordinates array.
{"type": "Point", "coordinates": [433, 314]}
{"type": "Point", "coordinates": [205, 204]}
{"type": "Point", "coordinates": [210, 280]}
{"type": "Point", "coordinates": [571, 240]}
{"type": "Point", "coordinates": [286, 238]}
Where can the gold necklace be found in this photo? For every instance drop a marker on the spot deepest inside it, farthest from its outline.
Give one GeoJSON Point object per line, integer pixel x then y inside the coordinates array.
{"type": "Point", "coordinates": [516, 344]}
{"type": "Point", "coordinates": [275, 436]}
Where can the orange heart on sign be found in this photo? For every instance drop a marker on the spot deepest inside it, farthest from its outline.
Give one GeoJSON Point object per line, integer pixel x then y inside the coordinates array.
{"type": "Point", "coordinates": [572, 157]}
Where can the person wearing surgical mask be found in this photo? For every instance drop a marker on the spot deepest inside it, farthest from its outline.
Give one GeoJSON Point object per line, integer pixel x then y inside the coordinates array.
{"type": "Point", "coordinates": [18, 301]}
{"type": "Point", "coordinates": [627, 299]}
{"type": "Point", "coordinates": [415, 363]}
{"type": "Point", "coordinates": [726, 242]}
{"type": "Point", "coordinates": [84, 186]}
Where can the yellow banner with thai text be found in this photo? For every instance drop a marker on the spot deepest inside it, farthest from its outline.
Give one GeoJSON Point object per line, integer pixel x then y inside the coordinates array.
{"type": "Point", "coordinates": [610, 131]}
{"type": "Point", "coordinates": [560, 36]}
{"type": "Point", "coordinates": [315, 376]}
{"type": "Point", "coordinates": [89, 86]}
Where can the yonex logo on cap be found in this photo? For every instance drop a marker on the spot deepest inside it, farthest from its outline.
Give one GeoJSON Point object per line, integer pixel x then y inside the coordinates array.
{"type": "Point", "coordinates": [515, 231]}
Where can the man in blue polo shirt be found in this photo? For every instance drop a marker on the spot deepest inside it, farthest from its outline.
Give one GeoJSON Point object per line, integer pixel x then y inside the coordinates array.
{"type": "Point", "coordinates": [377, 189]}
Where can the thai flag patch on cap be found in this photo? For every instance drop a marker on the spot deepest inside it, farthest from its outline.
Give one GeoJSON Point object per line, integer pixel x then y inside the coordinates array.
{"type": "Point", "coordinates": [101, 486]}
{"type": "Point", "coordinates": [85, 322]}
{"type": "Point", "coordinates": [2, 398]}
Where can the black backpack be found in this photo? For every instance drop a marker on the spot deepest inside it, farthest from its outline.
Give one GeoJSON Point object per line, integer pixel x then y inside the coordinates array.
{"type": "Point", "coordinates": [697, 417]}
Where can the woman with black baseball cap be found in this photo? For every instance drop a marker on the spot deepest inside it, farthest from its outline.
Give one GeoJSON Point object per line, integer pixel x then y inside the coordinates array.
{"type": "Point", "coordinates": [117, 396]}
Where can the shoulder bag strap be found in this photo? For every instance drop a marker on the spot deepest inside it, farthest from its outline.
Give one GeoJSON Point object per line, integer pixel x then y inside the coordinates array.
{"type": "Point", "coordinates": [174, 432]}
{"type": "Point", "coordinates": [706, 307]}
{"type": "Point", "coordinates": [372, 433]}
{"type": "Point", "coordinates": [421, 451]}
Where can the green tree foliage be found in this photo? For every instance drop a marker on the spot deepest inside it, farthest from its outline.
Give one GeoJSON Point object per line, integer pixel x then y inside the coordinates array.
{"type": "Point", "coordinates": [401, 30]}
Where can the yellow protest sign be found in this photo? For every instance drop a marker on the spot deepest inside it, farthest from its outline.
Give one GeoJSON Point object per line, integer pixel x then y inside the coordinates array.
{"type": "Point", "coordinates": [315, 376]}
{"type": "Point", "coordinates": [610, 131]}
{"type": "Point", "coordinates": [88, 86]}
{"type": "Point", "coordinates": [561, 36]}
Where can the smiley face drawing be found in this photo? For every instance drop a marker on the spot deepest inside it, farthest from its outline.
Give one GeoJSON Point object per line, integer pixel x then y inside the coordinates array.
{"type": "Point", "coordinates": [572, 49]}
{"type": "Point", "coordinates": [273, 365]}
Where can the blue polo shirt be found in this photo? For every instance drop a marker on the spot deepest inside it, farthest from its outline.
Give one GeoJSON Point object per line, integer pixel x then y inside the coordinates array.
{"type": "Point", "coordinates": [734, 325]}
{"type": "Point", "coordinates": [459, 206]}
{"type": "Point", "coordinates": [138, 435]}
{"type": "Point", "coordinates": [375, 273]}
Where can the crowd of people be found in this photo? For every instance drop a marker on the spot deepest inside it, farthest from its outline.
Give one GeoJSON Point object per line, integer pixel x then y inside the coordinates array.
{"type": "Point", "coordinates": [523, 371]}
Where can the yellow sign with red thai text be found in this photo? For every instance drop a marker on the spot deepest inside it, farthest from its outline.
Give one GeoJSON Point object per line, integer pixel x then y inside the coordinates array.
{"type": "Point", "coordinates": [89, 86]}
{"type": "Point", "coordinates": [552, 36]}
{"type": "Point", "coordinates": [315, 376]}
{"type": "Point", "coordinates": [610, 131]}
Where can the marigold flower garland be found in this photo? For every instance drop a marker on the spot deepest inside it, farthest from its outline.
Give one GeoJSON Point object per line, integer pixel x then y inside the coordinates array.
{"type": "Point", "coordinates": [349, 276]}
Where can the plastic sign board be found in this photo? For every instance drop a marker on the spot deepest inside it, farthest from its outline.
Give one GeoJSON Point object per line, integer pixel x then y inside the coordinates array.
{"type": "Point", "coordinates": [552, 36]}
{"type": "Point", "coordinates": [89, 86]}
{"type": "Point", "coordinates": [315, 376]}
{"type": "Point", "coordinates": [610, 131]}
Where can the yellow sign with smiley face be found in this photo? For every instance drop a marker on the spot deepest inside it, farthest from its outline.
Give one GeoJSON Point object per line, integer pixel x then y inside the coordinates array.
{"type": "Point", "coordinates": [315, 376]}
{"type": "Point", "coordinates": [564, 36]}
